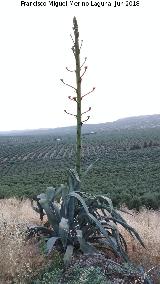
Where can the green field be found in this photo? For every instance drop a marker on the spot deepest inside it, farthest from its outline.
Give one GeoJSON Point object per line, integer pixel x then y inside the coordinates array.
{"type": "Point", "coordinates": [128, 169]}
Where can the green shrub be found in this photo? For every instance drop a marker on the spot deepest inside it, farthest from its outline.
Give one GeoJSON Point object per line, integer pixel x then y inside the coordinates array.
{"type": "Point", "coordinates": [135, 203]}
{"type": "Point", "coordinates": [151, 200]}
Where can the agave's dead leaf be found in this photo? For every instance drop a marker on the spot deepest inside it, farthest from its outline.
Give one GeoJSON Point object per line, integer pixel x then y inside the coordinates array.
{"type": "Point", "coordinates": [123, 242]}
{"type": "Point", "coordinates": [68, 255]}
{"type": "Point", "coordinates": [32, 230]}
{"type": "Point", "coordinates": [106, 242]}
{"type": "Point", "coordinates": [85, 247]}
{"type": "Point", "coordinates": [64, 230]}
{"type": "Point", "coordinates": [52, 218]}
{"type": "Point", "coordinates": [50, 244]}
{"type": "Point", "coordinates": [106, 213]}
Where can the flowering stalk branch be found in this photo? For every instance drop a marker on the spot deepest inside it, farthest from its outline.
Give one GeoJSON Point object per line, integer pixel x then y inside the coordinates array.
{"type": "Point", "coordinates": [86, 111]}
{"type": "Point", "coordinates": [84, 62]}
{"type": "Point", "coordinates": [88, 93]}
{"type": "Point", "coordinates": [70, 113]}
{"type": "Point", "coordinates": [88, 117]}
{"type": "Point", "coordinates": [85, 69]}
{"type": "Point", "coordinates": [72, 98]}
{"type": "Point", "coordinates": [69, 70]}
{"type": "Point", "coordinates": [68, 85]}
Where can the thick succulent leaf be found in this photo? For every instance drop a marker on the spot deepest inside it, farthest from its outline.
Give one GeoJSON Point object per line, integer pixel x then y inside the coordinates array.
{"type": "Point", "coordinates": [103, 232]}
{"type": "Point", "coordinates": [74, 173]}
{"type": "Point", "coordinates": [71, 210]}
{"type": "Point", "coordinates": [68, 255]}
{"type": "Point", "coordinates": [122, 252]}
{"type": "Point", "coordinates": [100, 202]}
{"type": "Point", "coordinates": [64, 201]}
{"type": "Point", "coordinates": [52, 218]}
{"type": "Point", "coordinates": [85, 247]}
{"type": "Point", "coordinates": [82, 219]}
{"type": "Point", "coordinates": [38, 208]}
{"type": "Point", "coordinates": [50, 244]}
{"type": "Point", "coordinates": [65, 190]}
{"type": "Point", "coordinates": [94, 220]}
{"type": "Point", "coordinates": [73, 180]}
{"type": "Point", "coordinates": [118, 216]}
{"type": "Point", "coordinates": [148, 280]}
{"type": "Point", "coordinates": [129, 229]}
{"type": "Point", "coordinates": [64, 231]}
{"type": "Point", "coordinates": [50, 193]}
{"type": "Point", "coordinates": [132, 230]}
{"type": "Point", "coordinates": [58, 193]}
{"type": "Point", "coordinates": [105, 200]}
{"type": "Point", "coordinates": [42, 196]}
{"type": "Point", "coordinates": [81, 200]}
{"type": "Point", "coordinates": [56, 208]}
{"type": "Point", "coordinates": [88, 231]}
{"type": "Point", "coordinates": [112, 241]}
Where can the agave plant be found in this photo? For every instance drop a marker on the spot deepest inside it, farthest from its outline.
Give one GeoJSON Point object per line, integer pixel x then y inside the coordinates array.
{"type": "Point", "coordinates": [78, 220]}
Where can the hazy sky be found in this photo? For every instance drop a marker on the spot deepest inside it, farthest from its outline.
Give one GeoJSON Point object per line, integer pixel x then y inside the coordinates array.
{"type": "Point", "coordinates": [122, 45]}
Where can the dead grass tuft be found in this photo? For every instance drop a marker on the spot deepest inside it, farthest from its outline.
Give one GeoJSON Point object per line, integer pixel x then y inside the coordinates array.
{"type": "Point", "coordinates": [19, 260]}
{"type": "Point", "coordinates": [147, 224]}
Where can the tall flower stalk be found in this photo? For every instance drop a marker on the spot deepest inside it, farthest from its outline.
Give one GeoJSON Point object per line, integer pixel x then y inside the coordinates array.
{"type": "Point", "coordinates": [80, 70]}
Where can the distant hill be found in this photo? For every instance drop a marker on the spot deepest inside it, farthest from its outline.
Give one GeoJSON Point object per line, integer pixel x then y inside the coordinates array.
{"type": "Point", "coordinates": [135, 122]}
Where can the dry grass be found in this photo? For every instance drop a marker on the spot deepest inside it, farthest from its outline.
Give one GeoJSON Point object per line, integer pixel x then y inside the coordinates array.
{"type": "Point", "coordinates": [147, 224]}
{"type": "Point", "coordinates": [21, 260]}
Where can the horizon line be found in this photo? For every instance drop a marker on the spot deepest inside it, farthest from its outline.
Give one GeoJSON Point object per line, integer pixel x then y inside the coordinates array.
{"type": "Point", "coordinates": [49, 128]}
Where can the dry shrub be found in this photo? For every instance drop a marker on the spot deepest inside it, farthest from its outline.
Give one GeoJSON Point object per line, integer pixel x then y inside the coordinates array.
{"type": "Point", "coordinates": [147, 224]}
{"type": "Point", "coordinates": [20, 260]}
